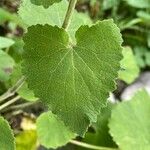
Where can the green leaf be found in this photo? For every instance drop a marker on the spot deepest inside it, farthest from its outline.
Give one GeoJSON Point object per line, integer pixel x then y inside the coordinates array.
{"type": "Point", "coordinates": [53, 16]}
{"type": "Point", "coordinates": [130, 123]}
{"type": "Point", "coordinates": [7, 16]}
{"type": "Point", "coordinates": [45, 3]}
{"type": "Point", "coordinates": [145, 16]}
{"type": "Point", "coordinates": [142, 55]}
{"type": "Point", "coordinates": [5, 42]}
{"type": "Point", "coordinates": [23, 91]}
{"type": "Point", "coordinates": [139, 54]}
{"type": "Point", "coordinates": [26, 140]}
{"type": "Point", "coordinates": [101, 136]}
{"type": "Point", "coordinates": [130, 69]}
{"type": "Point", "coordinates": [6, 66]}
{"type": "Point", "coordinates": [147, 58]}
{"type": "Point", "coordinates": [108, 4]}
{"type": "Point", "coordinates": [139, 3]}
{"type": "Point", "coordinates": [16, 50]}
{"type": "Point", "coordinates": [6, 136]}
{"type": "Point", "coordinates": [148, 39]}
{"type": "Point", "coordinates": [74, 81]}
{"type": "Point", "coordinates": [52, 132]}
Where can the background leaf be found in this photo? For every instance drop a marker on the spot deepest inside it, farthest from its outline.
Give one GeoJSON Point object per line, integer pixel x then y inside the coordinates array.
{"type": "Point", "coordinates": [101, 136]}
{"type": "Point", "coordinates": [7, 16]}
{"type": "Point", "coordinates": [130, 70]}
{"type": "Point", "coordinates": [6, 136]}
{"type": "Point", "coordinates": [130, 125]}
{"type": "Point", "coordinates": [23, 91]}
{"type": "Point", "coordinates": [139, 3]}
{"type": "Point", "coordinates": [5, 42]}
{"type": "Point", "coordinates": [141, 56]}
{"type": "Point", "coordinates": [52, 132]}
{"type": "Point", "coordinates": [107, 4]}
{"type": "Point", "coordinates": [145, 16]}
{"type": "Point", "coordinates": [54, 15]}
{"type": "Point", "coordinates": [6, 66]}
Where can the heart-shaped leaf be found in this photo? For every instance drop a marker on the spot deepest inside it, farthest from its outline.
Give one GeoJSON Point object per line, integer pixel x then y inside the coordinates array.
{"type": "Point", "coordinates": [74, 81]}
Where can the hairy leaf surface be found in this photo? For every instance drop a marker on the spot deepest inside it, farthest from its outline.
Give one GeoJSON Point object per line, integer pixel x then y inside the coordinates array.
{"type": "Point", "coordinates": [52, 132]}
{"type": "Point", "coordinates": [6, 136]}
{"type": "Point", "coordinates": [45, 3]}
{"type": "Point", "coordinates": [74, 81]}
{"type": "Point", "coordinates": [130, 125]}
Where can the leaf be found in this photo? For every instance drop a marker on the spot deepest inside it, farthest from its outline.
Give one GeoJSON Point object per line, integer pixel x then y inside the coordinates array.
{"type": "Point", "coordinates": [45, 3]}
{"type": "Point", "coordinates": [26, 140]}
{"type": "Point", "coordinates": [16, 50]}
{"type": "Point", "coordinates": [23, 91]}
{"type": "Point", "coordinates": [101, 136]}
{"type": "Point", "coordinates": [108, 4]}
{"type": "Point", "coordinates": [141, 55]}
{"type": "Point", "coordinates": [148, 39]}
{"type": "Point", "coordinates": [5, 42]}
{"type": "Point", "coordinates": [7, 16]}
{"type": "Point", "coordinates": [52, 132]}
{"type": "Point", "coordinates": [6, 66]}
{"type": "Point", "coordinates": [74, 81]}
{"type": "Point", "coordinates": [144, 16]}
{"type": "Point", "coordinates": [130, 69]}
{"type": "Point", "coordinates": [6, 136]}
{"type": "Point", "coordinates": [53, 16]}
{"type": "Point", "coordinates": [147, 58]}
{"type": "Point", "coordinates": [130, 125]}
{"type": "Point", "coordinates": [139, 3]}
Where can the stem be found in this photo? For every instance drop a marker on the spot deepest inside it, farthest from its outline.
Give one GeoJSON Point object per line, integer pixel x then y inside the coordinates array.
{"type": "Point", "coordinates": [69, 13]}
{"type": "Point", "coordinates": [22, 106]}
{"type": "Point", "coordinates": [12, 90]}
{"type": "Point", "coordinates": [9, 102]}
{"type": "Point", "coordinates": [89, 146]}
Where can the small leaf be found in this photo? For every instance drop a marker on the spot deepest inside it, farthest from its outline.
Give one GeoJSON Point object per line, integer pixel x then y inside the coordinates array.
{"type": "Point", "coordinates": [6, 66]}
{"type": "Point", "coordinates": [5, 15]}
{"type": "Point", "coordinates": [5, 42]}
{"type": "Point", "coordinates": [130, 69]}
{"type": "Point", "coordinates": [140, 52]}
{"type": "Point", "coordinates": [45, 3]}
{"type": "Point", "coordinates": [144, 16]}
{"type": "Point", "coordinates": [108, 4]}
{"type": "Point", "coordinates": [139, 3]}
{"type": "Point", "coordinates": [52, 132]}
{"type": "Point", "coordinates": [23, 91]}
{"type": "Point", "coordinates": [148, 39]}
{"type": "Point", "coordinates": [53, 16]}
{"type": "Point", "coordinates": [6, 136]}
{"type": "Point", "coordinates": [74, 81]}
{"type": "Point", "coordinates": [147, 58]}
{"type": "Point", "coordinates": [130, 124]}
